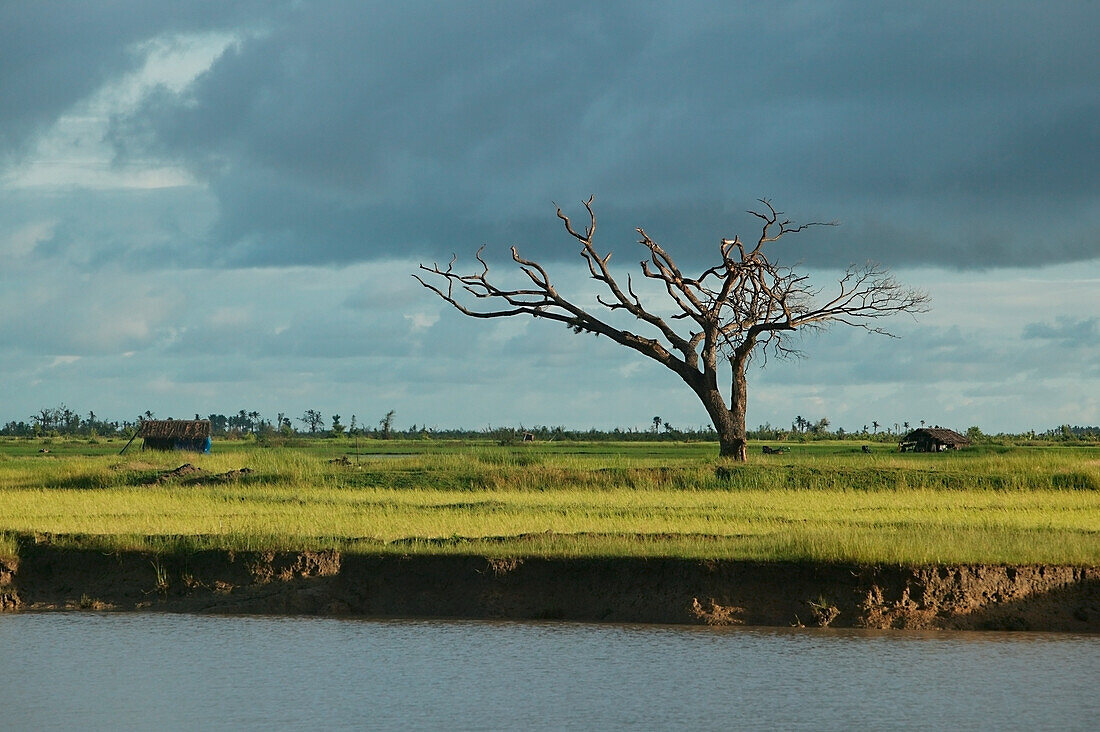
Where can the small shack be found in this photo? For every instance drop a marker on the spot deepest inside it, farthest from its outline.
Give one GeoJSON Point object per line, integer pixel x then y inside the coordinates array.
{"type": "Point", "coordinates": [176, 434]}
{"type": "Point", "coordinates": [932, 439]}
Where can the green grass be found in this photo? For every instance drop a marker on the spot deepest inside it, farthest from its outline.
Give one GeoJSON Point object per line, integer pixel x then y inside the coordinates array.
{"type": "Point", "coordinates": [821, 501]}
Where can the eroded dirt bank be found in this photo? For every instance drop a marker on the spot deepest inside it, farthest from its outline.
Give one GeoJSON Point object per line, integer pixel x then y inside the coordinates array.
{"type": "Point", "coordinates": [47, 577]}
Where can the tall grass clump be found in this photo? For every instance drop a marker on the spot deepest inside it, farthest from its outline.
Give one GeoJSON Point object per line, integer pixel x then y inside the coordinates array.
{"type": "Point", "coordinates": [9, 545]}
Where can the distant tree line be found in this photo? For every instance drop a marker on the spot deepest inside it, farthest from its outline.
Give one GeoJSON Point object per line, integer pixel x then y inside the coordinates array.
{"type": "Point", "coordinates": [244, 424]}
{"type": "Point", "coordinates": [251, 425]}
{"type": "Point", "coordinates": [60, 420]}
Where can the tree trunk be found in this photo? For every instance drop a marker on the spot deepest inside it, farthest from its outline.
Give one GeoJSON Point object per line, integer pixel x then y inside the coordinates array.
{"type": "Point", "coordinates": [738, 438]}
{"type": "Point", "coordinates": [729, 422]}
{"type": "Point", "coordinates": [733, 447]}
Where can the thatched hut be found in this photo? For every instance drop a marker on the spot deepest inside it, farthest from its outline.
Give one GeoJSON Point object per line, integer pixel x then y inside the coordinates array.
{"type": "Point", "coordinates": [176, 434]}
{"type": "Point", "coordinates": [932, 439]}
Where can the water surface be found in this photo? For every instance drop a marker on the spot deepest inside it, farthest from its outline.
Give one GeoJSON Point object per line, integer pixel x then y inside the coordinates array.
{"type": "Point", "coordinates": [147, 671]}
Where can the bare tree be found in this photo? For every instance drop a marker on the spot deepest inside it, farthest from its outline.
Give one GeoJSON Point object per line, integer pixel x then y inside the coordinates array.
{"type": "Point", "coordinates": [745, 303]}
{"type": "Point", "coordinates": [386, 424]}
{"type": "Point", "coordinates": [312, 419]}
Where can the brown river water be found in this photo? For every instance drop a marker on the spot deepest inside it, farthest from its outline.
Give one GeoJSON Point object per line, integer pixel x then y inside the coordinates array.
{"type": "Point", "coordinates": [166, 671]}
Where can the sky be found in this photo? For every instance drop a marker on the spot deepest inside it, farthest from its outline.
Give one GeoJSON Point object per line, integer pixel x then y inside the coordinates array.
{"type": "Point", "coordinates": [209, 206]}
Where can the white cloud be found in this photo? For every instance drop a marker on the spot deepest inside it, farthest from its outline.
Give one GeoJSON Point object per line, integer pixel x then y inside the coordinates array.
{"type": "Point", "coordinates": [23, 240]}
{"type": "Point", "coordinates": [422, 321]}
{"type": "Point", "coordinates": [285, 340]}
{"type": "Point", "coordinates": [75, 151]}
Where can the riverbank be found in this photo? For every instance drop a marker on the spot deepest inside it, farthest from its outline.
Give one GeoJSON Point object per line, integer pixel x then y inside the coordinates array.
{"type": "Point", "coordinates": [823, 534]}
{"type": "Point", "coordinates": [44, 576]}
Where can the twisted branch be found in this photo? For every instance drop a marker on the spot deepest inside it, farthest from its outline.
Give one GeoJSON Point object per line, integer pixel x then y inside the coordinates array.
{"type": "Point", "coordinates": [744, 301]}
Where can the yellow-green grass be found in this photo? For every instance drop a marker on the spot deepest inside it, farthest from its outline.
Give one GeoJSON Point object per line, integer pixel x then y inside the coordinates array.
{"type": "Point", "coordinates": [824, 502]}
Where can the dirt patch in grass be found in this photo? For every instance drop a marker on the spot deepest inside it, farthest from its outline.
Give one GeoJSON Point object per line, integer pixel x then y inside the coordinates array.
{"type": "Point", "coordinates": [232, 475]}
{"type": "Point", "coordinates": [192, 475]}
{"type": "Point", "coordinates": [187, 469]}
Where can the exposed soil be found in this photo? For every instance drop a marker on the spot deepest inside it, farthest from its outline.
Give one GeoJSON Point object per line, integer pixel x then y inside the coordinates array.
{"type": "Point", "coordinates": [973, 597]}
{"type": "Point", "coordinates": [232, 474]}
{"type": "Point", "coordinates": [180, 472]}
{"type": "Point", "coordinates": [191, 475]}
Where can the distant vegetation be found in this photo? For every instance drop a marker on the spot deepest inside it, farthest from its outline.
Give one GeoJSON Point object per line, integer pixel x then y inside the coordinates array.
{"type": "Point", "coordinates": [251, 425]}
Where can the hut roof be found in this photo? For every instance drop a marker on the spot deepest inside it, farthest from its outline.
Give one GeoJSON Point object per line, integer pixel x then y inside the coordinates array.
{"type": "Point", "coordinates": [939, 434]}
{"type": "Point", "coordinates": [175, 429]}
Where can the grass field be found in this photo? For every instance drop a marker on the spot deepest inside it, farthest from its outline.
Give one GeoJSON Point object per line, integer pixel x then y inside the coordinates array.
{"type": "Point", "coordinates": [820, 501]}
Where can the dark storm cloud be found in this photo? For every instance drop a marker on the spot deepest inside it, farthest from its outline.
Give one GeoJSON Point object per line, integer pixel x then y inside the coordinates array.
{"type": "Point", "coordinates": [53, 54]}
{"type": "Point", "coordinates": [935, 133]}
